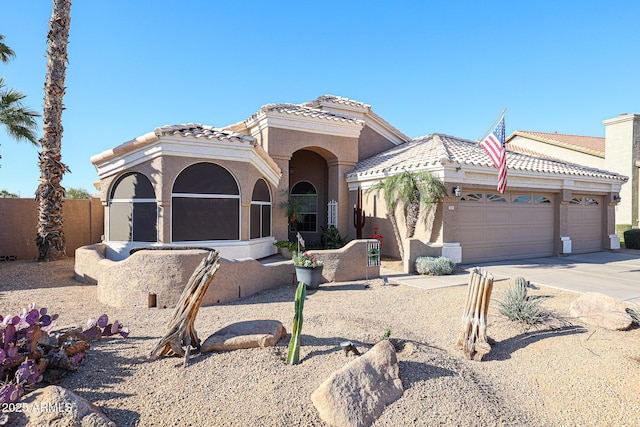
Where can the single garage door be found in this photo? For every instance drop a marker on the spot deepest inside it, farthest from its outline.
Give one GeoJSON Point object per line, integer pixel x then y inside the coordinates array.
{"type": "Point", "coordinates": [496, 226]}
{"type": "Point", "coordinates": [585, 223]}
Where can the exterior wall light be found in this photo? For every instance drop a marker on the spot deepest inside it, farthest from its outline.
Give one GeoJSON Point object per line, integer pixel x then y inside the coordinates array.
{"type": "Point", "coordinates": [617, 198]}
{"type": "Point", "coordinates": [457, 191]}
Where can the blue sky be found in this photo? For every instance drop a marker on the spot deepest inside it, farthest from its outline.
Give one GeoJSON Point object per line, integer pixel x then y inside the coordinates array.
{"type": "Point", "coordinates": [424, 66]}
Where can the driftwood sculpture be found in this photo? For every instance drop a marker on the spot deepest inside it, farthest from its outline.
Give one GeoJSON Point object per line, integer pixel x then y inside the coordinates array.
{"type": "Point", "coordinates": [473, 340]}
{"type": "Point", "coordinates": [180, 331]}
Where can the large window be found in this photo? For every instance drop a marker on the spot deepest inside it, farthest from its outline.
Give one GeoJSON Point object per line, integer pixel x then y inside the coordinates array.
{"type": "Point", "coordinates": [305, 193]}
{"type": "Point", "coordinates": [260, 211]}
{"type": "Point", "coordinates": [205, 204]}
{"type": "Point", "coordinates": [133, 211]}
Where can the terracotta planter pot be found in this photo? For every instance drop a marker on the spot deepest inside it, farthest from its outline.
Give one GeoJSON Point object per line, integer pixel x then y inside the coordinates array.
{"type": "Point", "coordinates": [311, 277]}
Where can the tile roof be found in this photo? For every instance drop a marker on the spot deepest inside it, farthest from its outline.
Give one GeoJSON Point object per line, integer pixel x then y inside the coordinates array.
{"type": "Point", "coordinates": [589, 144]}
{"type": "Point", "coordinates": [439, 149]}
{"type": "Point", "coordinates": [305, 111]}
{"type": "Point", "coordinates": [338, 100]}
{"type": "Point", "coordinates": [197, 130]}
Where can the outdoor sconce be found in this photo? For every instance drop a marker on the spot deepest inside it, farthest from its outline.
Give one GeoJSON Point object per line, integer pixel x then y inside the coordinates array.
{"type": "Point", "coordinates": [457, 191]}
{"type": "Point", "coordinates": [617, 198]}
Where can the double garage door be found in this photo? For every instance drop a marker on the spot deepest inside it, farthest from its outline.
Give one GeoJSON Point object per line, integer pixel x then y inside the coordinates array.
{"type": "Point", "coordinates": [494, 227]}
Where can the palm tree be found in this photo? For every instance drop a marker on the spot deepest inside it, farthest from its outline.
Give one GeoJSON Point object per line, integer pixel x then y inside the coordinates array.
{"type": "Point", "coordinates": [50, 236]}
{"type": "Point", "coordinates": [19, 121]}
{"type": "Point", "coordinates": [415, 192]}
{"type": "Point", "coordinates": [6, 53]}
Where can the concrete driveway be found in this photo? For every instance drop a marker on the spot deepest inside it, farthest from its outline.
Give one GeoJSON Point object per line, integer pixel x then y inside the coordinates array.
{"type": "Point", "coordinates": [616, 274]}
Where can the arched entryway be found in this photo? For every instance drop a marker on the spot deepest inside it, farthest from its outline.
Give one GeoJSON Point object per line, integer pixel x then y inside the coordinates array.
{"type": "Point", "coordinates": [309, 184]}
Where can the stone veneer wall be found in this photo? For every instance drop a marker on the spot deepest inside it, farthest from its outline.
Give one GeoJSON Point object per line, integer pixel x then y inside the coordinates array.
{"type": "Point", "coordinates": [165, 273]}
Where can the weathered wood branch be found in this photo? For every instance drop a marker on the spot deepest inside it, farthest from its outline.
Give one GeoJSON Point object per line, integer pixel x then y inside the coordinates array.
{"type": "Point", "coordinates": [473, 339]}
{"type": "Point", "coordinates": [180, 331]}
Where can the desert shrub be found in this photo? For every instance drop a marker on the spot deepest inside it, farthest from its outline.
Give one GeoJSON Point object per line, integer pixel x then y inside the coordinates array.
{"type": "Point", "coordinates": [621, 228]}
{"type": "Point", "coordinates": [632, 238]}
{"type": "Point", "coordinates": [634, 312]}
{"type": "Point", "coordinates": [517, 306]}
{"type": "Point", "coordinates": [435, 266]}
{"type": "Point", "coordinates": [331, 238]}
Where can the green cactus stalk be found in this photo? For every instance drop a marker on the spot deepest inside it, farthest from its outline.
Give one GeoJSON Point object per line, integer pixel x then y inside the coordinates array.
{"type": "Point", "coordinates": [359, 215]}
{"type": "Point", "coordinates": [293, 356]}
{"type": "Point", "coordinates": [520, 285]}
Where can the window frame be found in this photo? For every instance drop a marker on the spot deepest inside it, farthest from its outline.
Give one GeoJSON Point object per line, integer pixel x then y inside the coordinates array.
{"type": "Point", "coordinates": [208, 196]}
{"type": "Point", "coordinates": [131, 202]}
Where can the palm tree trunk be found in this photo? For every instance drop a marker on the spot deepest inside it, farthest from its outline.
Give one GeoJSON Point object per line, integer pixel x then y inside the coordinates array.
{"type": "Point", "coordinates": [396, 231]}
{"type": "Point", "coordinates": [50, 236]}
{"type": "Point", "coordinates": [412, 213]}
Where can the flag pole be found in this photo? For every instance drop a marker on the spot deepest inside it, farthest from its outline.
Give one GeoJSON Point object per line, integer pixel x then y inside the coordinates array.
{"type": "Point", "coordinates": [492, 126]}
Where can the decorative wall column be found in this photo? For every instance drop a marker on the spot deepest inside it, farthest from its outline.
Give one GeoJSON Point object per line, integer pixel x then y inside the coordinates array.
{"type": "Point", "coordinates": [450, 231]}
{"type": "Point", "coordinates": [612, 240]}
{"type": "Point", "coordinates": [339, 190]}
{"type": "Point", "coordinates": [561, 235]}
{"type": "Point", "coordinates": [164, 221]}
{"type": "Point", "coordinates": [279, 223]}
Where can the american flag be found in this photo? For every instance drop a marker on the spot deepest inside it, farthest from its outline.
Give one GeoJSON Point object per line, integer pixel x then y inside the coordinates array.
{"type": "Point", "coordinates": [494, 145]}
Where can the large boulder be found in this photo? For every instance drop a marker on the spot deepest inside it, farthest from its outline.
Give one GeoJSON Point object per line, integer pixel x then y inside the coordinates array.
{"type": "Point", "coordinates": [356, 395]}
{"type": "Point", "coordinates": [57, 406]}
{"type": "Point", "coordinates": [247, 334]}
{"type": "Point", "coordinates": [601, 310]}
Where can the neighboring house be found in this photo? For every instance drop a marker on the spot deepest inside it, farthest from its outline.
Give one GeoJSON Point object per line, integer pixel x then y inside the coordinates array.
{"type": "Point", "coordinates": [197, 185]}
{"type": "Point", "coordinates": [618, 151]}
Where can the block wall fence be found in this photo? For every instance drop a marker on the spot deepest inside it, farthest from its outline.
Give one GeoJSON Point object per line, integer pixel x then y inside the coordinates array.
{"type": "Point", "coordinates": [83, 225]}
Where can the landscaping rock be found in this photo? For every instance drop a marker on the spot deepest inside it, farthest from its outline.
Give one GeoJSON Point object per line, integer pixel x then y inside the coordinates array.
{"type": "Point", "coordinates": [57, 406]}
{"type": "Point", "coordinates": [357, 394]}
{"type": "Point", "coordinates": [247, 334]}
{"type": "Point", "coordinates": [601, 310]}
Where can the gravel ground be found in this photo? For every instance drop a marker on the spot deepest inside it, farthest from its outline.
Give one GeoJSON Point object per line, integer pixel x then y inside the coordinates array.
{"type": "Point", "coordinates": [571, 376]}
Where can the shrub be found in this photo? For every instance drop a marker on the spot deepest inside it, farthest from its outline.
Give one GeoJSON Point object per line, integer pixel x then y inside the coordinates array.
{"type": "Point", "coordinates": [435, 266]}
{"type": "Point", "coordinates": [290, 246]}
{"type": "Point", "coordinates": [331, 238]}
{"type": "Point", "coordinates": [632, 238]}
{"type": "Point", "coordinates": [634, 312]}
{"type": "Point", "coordinates": [621, 228]}
{"type": "Point", "coordinates": [518, 307]}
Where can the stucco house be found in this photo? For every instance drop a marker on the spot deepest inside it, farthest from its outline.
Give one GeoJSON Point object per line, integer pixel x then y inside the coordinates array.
{"type": "Point", "coordinates": [198, 185]}
{"type": "Point", "coordinates": [618, 151]}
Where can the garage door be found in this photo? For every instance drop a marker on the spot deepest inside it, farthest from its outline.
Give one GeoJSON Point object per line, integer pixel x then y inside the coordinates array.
{"type": "Point", "coordinates": [496, 226]}
{"type": "Point", "coordinates": [585, 223]}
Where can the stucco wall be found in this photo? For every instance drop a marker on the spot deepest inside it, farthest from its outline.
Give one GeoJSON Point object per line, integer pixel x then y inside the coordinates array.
{"type": "Point", "coordinates": [83, 225]}
{"type": "Point", "coordinates": [558, 152]}
{"type": "Point", "coordinates": [371, 142]}
{"type": "Point", "coordinates": [428, 229]}
{"type": "Point", "coordinates": [622, 152]}
{"type": "Point", "coordinates": [165, 273]}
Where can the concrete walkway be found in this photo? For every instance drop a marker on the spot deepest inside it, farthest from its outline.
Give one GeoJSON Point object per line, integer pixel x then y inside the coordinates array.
{"type": "Point", "coordinates": [616, 274]}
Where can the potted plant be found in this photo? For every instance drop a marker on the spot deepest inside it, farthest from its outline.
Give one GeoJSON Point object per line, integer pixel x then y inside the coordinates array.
{"type": "Point", "coordinates": [308, 269]}
{"type": "Point", "coordinates": [287, 248]}
{"type": "Point", "coordinates": [294, 208]}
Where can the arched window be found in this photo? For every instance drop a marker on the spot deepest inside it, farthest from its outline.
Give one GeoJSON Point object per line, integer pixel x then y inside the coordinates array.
{"type": "Point", "coordinates": [307, 196]}
{"type": "Point", "coordinates": [205, 204]}
{"type": "Point", "coordinates": [260, 211]}
{"type": "Point", "coordinates": [133, 211]}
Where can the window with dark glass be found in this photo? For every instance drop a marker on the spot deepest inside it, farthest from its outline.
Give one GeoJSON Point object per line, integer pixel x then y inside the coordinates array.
{"type": "Point", "coordinates": [133, 211]}
{"type": "Point", "coordinates": [205, 204]}
{"type": "Point", "coordinates": [260, 221]}
{"type": "Point", "coordinates": [305, 193]}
